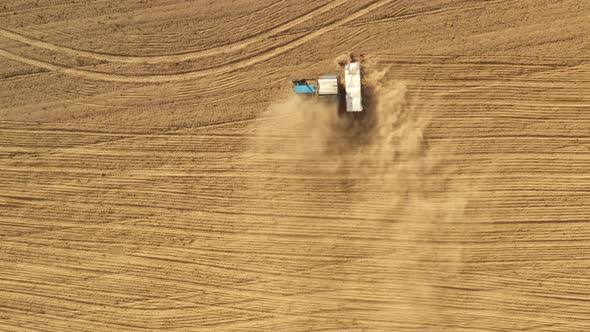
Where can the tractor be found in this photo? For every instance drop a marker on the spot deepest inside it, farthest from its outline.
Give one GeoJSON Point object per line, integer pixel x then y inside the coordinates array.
{"type": "Point", "coordinates": [329, 88]}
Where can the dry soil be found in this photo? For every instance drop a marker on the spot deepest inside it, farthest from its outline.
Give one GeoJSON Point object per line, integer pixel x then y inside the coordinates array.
{"type": "Point", "coordinates": [157, 174]}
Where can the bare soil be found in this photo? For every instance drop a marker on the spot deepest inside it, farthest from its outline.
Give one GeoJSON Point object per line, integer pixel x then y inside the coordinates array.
{"type": "Point", "coordinates": [157, 174]}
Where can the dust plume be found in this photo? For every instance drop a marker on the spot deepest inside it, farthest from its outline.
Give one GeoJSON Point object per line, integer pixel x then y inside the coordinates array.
{"type": "Point", "coordinates": [376, 182]}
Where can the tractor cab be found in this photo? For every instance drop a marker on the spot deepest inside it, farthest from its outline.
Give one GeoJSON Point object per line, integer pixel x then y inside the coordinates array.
{"type": "Point", "coordinates": [328, 88]}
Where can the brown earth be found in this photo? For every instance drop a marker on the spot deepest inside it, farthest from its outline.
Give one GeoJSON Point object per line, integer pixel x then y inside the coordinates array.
{"type": "Point", "coordinates": [155, 173]}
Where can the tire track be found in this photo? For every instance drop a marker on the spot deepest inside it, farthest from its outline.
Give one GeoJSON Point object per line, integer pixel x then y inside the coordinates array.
{"type": "Point", "coordinates": [172, 57]}
{"type": "Point", "coordinates": [122, 137]}
{"type": "Point", "coordinates": [435, 11]}
{"type": "Point", "coordinates": [200, 73]}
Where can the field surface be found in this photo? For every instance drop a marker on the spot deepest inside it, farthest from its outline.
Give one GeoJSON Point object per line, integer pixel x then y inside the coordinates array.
{"type": "Point", "coordinates": [155, 173]}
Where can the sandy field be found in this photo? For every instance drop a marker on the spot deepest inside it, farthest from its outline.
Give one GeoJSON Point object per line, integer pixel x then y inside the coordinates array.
{"type": "Point", "coordinates": [156, 172]}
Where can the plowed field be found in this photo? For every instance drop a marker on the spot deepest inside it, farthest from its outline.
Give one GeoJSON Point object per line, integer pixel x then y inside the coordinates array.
{"type": "Point", "coordinates": [157, 174]}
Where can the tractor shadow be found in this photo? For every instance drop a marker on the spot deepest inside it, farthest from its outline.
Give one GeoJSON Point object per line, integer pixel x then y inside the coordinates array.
{"type": "Point", "coordinates": [359, 128]}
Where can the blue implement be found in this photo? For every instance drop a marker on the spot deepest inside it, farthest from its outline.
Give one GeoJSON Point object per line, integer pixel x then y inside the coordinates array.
{"type": "Point", "coordinates": [305, 89]}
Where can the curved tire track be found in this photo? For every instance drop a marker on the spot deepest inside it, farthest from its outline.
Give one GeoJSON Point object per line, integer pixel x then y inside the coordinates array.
{"type": "Point", "coordinates": [196, 74]}
{"type": "Point", "coordinates": [172, 57]}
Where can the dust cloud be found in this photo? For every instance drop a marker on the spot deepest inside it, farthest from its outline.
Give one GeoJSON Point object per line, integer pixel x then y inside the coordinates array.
{"type": "Point", "coordinates": [380, 175]}
{"type": "Point", "coordinates": [383, 150]}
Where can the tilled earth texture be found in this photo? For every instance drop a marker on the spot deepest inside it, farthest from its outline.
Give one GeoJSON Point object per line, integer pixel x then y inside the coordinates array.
{"type": "Point", "coordinates": [157, 174]}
